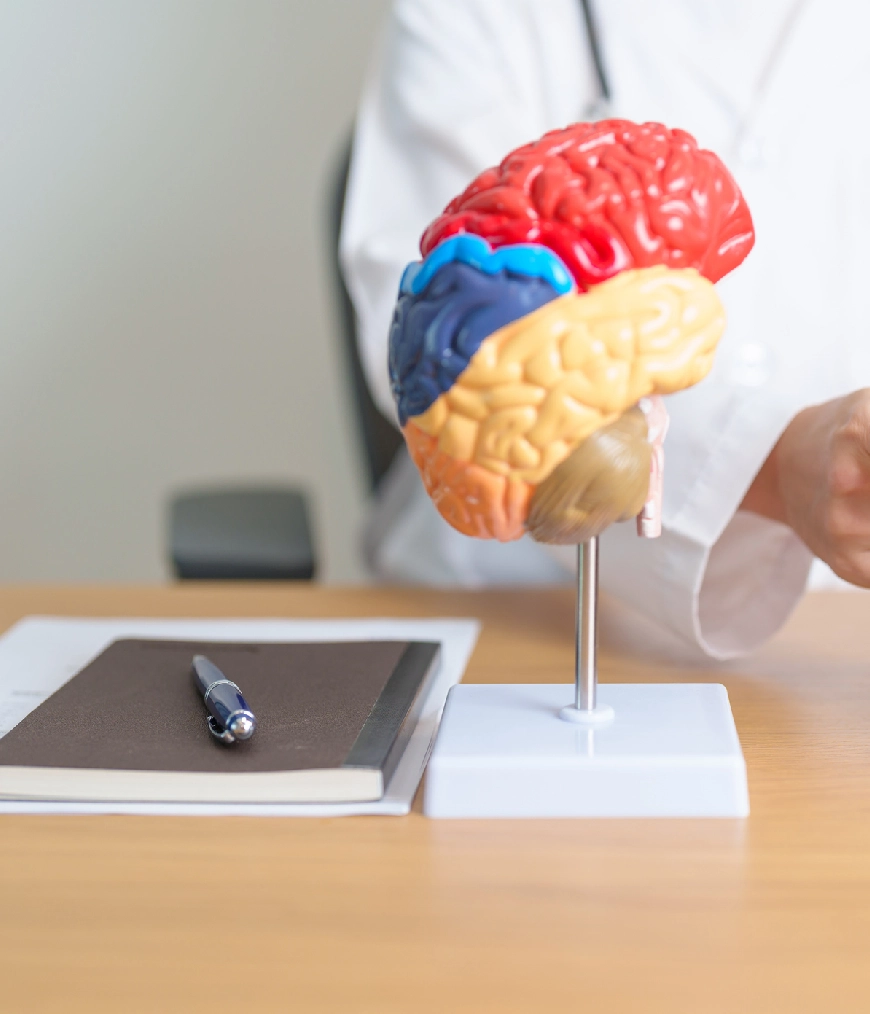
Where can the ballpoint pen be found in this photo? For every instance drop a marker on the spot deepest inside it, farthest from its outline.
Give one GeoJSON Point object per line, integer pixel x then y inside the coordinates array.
{"type": "Point", "coordinates": [230, 718]}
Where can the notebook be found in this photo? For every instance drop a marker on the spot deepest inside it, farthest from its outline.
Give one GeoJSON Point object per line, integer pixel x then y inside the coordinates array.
{"type": "Point", "coordinates": [333, 721]}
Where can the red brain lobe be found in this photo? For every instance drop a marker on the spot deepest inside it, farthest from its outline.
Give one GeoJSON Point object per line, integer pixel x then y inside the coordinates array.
{"type": "Point", "coordinates": [608, 196]}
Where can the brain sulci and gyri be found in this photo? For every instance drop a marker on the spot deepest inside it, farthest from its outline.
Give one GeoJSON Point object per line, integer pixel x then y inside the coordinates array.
{"type": "Point", "coordinates": [559, 298]}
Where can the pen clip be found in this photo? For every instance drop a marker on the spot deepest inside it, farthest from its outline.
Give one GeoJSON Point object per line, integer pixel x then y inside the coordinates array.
{"type": "Point", "coordinates": [219, 732]}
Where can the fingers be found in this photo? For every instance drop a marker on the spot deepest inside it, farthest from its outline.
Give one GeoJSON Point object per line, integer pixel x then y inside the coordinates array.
{"type": "Point", "coordinates": [605, 480]}
{"type": "Point", "coordinates": [823, 476]}
{"type": "Point", "coordinates": [850, 446]}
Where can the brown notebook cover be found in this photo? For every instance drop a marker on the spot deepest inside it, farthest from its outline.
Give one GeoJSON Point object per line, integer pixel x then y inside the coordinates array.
{"type": "Point", "coordinates": [336, 708]}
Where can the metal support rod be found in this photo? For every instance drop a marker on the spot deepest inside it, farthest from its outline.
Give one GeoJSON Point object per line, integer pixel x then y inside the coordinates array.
{"type": "Point", "coordinates": [586, 658]}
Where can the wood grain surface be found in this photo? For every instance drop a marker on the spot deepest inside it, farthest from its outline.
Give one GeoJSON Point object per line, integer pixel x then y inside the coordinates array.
{"type": "Point", "coordinates": [381, 914]}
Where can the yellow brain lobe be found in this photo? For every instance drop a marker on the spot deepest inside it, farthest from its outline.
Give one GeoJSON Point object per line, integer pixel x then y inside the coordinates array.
{"type": "Point", "coordinates": [539, 386]}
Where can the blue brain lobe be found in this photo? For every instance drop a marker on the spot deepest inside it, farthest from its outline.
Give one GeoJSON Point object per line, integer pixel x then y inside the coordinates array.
{"type": "Point", "coordinates": [437, 330]}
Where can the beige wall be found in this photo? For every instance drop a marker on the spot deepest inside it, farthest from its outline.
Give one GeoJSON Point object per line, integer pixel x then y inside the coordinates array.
{"type": "Point", "coordinates": [164, 302]}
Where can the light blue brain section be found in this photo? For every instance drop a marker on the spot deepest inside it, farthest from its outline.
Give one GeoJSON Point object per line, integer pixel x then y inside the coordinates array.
{"type": "Point", "coordinates": [525, 259]}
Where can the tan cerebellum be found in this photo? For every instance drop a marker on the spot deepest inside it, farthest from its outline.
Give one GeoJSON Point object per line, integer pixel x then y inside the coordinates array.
{"type": "Point", "coordinates": [538, 387]}
{"type": "Point", "coordinates": [605, 479]}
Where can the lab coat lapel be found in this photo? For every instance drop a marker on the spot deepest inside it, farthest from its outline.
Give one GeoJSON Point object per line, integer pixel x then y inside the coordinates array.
{"type": "Point", "coordinates": [797, 96]}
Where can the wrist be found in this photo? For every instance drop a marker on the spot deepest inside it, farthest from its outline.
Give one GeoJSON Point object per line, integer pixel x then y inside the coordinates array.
{"type": "Point", "coordinates": [764, 496]}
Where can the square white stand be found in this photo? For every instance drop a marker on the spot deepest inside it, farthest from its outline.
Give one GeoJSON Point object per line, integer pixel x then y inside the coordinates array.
{"type": "Point", "coordinates": [671, 750]}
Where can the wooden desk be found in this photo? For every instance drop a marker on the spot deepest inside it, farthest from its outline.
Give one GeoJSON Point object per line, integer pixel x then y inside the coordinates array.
{"type": "Point", "coordinates": [409, 915]}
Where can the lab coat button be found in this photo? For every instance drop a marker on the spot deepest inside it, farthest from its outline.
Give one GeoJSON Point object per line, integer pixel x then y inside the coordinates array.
{"type": "Point", "coordinates": [750, 152]}
{"type": "Point", "coordinates": [751, 365]}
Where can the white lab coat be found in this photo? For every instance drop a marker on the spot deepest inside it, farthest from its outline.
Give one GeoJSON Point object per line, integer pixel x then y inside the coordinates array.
{"type": "Point", "coordinates": [779, 90]}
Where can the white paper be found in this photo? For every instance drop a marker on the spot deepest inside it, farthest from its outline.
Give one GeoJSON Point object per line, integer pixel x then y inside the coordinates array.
{"type": "Point", "coordinates": [40, 653]}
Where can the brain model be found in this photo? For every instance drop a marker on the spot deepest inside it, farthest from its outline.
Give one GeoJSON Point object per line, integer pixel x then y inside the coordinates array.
{"type": "Point", "coordinates": [558, 298]}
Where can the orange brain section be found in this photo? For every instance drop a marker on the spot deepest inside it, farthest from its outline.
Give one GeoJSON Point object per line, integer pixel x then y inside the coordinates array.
{"type": "Point", "coordinates": [474, 500]}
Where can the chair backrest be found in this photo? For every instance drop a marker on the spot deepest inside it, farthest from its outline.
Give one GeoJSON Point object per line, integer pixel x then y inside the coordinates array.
{"type": "Point", "coordinates": [379, 437]}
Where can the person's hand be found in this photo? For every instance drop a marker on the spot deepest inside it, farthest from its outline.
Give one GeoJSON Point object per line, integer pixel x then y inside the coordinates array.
{"type": "Point", "coordinates": [817, 481]}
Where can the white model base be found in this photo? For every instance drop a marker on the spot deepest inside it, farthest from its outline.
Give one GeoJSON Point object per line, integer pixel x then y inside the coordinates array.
{"type": "Point", "coordinates": [670, 750]}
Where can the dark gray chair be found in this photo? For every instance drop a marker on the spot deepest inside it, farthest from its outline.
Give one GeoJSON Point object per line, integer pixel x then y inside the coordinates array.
{"type": "Point", "coordinates": [243, 533]}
